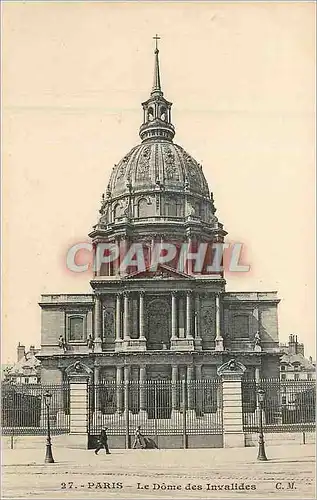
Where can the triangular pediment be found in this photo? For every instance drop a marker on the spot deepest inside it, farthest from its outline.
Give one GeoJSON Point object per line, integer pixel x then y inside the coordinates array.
{"type": "Point", "coordinates": [162, 272]}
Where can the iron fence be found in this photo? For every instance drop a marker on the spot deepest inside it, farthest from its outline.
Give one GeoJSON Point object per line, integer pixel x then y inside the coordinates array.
{"type": "Point", "coordinates": [289, 405]}
{"type": "Point", "coordinates": [159, 407]}
{"type": "Point", "coordinates": [23, 410]}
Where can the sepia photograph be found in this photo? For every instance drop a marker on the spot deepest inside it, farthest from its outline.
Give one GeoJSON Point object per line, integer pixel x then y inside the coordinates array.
{"type": "Point", "coordinates": [158, 256]}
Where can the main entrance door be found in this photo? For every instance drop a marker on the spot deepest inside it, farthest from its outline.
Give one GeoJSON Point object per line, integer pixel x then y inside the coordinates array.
{"type": "Point", "coordinates": [158, 325]}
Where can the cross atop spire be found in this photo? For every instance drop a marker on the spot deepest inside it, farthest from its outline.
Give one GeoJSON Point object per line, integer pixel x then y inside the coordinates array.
{"type": "Point", "coordinates": [157, 79]}
{"type": "Point", "coordinates": [156, 38]}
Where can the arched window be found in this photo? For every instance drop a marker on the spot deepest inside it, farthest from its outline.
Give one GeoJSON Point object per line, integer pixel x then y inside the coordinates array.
{"type": "Point", "coordinates": [170, 209]}
{"type": "Point", "coordinates": [116, 211]}
{"type": "Point", "coordinates": [150, 114]}
{"type": "Point", "coordinates": [145, 208]}
{"type": "Point", "coordinates": [163, 114]}
{"type": "Point", "coordinates": [179, 207]}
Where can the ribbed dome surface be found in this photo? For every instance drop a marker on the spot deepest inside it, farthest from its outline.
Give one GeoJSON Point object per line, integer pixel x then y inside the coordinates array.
{"type": "Point", "coordinates": [157, 162]}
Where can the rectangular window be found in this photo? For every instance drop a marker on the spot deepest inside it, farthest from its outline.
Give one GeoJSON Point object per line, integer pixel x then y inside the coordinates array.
{"type": "Point", "coordinates": [309, 376]}
{"type": "Point", "coordinates": [241, 325]}
{"type": "Point", "coordinates": [283, 376]}
{"type": "Point", "coordinates": [76, 329]}
{"type": "Point", "coordinates": [296, 376]}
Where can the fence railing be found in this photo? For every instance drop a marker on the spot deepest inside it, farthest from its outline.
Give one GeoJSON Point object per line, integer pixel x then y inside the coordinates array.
{"type": "Point", "coordinates": [160, 407]}
{"type": "Point", "coordinates": [23, 410]}
{"type": "Point", "coordinates": [289, 405]}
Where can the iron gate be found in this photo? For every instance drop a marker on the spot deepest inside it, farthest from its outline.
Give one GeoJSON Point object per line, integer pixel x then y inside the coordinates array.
{"type": "Point", "coordinates": [159, 407]}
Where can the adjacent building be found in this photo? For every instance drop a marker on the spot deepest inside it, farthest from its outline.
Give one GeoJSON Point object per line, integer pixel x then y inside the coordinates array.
{"type": "Point", "coordinates": [27, 369]}
{"type": "Point", "coordinates": [294, 364]}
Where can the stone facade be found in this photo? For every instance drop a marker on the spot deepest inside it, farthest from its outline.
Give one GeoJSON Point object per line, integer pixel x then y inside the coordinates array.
{"type": "Point", "coordinates": [171, 322]}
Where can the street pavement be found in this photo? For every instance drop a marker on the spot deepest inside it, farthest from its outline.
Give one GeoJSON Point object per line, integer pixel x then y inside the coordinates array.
{"type": "Point", "coordinates": [160, 474]}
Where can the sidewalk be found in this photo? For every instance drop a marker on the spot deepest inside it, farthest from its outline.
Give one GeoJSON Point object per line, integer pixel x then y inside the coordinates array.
{"type": "Point", "coordinates": [167, 473]}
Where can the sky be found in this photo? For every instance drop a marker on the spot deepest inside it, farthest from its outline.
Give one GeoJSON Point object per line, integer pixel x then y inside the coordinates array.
{"type": "Point", "coordinates": [241, 78]}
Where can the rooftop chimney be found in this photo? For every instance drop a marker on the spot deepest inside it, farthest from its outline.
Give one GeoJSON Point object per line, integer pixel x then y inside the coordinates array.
{"type": "Point", "coordinates": [20, 352]}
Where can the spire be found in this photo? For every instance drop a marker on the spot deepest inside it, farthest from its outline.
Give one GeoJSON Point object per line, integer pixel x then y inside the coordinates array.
{"type": "Point", "coordinates": [157, 79]}
{"type": "Point", "coordinates": [157, 110]}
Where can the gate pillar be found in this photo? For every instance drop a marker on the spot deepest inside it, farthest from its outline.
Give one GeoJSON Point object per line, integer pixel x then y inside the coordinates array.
{"type": "Point", "coordinates": [231, 374]}
{"type": "Point", "coordinates": [78, 375]}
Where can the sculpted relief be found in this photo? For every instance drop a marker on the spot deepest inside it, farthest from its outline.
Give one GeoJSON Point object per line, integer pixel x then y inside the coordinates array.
{"type": "Point", "coordinates": [144, 164]}
{"type": "Point", "coordinates": [171, 171]}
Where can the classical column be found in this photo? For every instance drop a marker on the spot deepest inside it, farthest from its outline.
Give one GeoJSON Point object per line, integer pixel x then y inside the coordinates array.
{"type": "Point", "coordinates": [174, 386]}
{"type": "Point", "coordinates": [118, 318]}
{"type": "Point", "coordinates": [181, 317]}
{"type": "Point", "coordinates": [96, 384]}
{"type": "Point", "coordinates": [141, 315]}
{"type": "Point", "coordinates": [97, 315]}
{"type": "Point", "coordinates": [123, 253]}
{"type": "Point", "coordinates": [218, 339]}
{"type": "Point", "coordinates": [142, 388]}
{"type": "Point", "coordinates": [127, 373]}
{"type": "Point", "coordinates": [191, 386]}
{"type": "Point", "coordinates": [189, 261]}
{"type": "Point", "coordinates": [126, 325]}
{"type": "Point", "coordinates": [197, 316]}
{"type": "Point", "coordinates": [96, 266]}
{"type": "Point", "coordinates": [174, 316]}
{"type": "Point", "coordinates": [119, 388]}
{"type": "Point", "coordinates": [189, 315]}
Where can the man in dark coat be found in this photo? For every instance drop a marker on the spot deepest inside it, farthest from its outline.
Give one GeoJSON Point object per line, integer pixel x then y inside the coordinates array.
{"type": "Point", "coordinates": [103, 442]}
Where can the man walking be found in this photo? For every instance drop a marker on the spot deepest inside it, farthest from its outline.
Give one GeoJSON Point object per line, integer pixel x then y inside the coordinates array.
{"type": "Point", "coordinates": [139, 439]}
{"type": "Point", "coordinates": [103, 441]}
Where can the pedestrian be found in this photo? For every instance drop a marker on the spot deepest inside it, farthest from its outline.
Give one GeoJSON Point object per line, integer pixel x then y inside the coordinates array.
{"type": "Point", "coordinates": [139, 438]}
{"type": "Point", "coordinates": [103, 441]}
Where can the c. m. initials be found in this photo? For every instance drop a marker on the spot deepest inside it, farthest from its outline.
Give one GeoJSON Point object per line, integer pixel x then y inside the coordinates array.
{"type": "Point", "coordinates": [285, 485]}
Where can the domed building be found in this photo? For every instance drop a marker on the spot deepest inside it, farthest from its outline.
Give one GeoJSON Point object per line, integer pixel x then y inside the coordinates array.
{"type": "Point", "coordinates": [150, 318]}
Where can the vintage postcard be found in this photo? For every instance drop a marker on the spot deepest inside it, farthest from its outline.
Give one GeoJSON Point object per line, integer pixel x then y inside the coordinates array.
{"type": "Point", "coordinates": [158, 259]}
